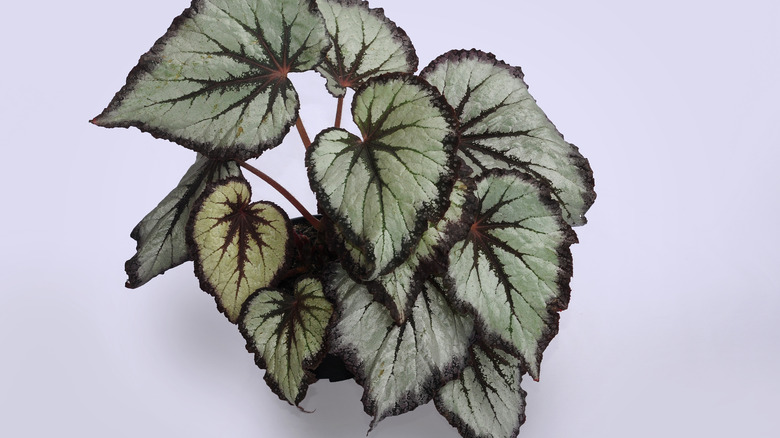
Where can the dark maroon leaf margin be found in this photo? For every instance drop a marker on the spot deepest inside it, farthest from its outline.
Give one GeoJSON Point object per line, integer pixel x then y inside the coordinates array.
{"type": "Point", "coordinates": [349, 357]}
{"type": "Point", "coordinates": [578, 160]}
{"type": "Point", "coordinates": [207, 174]}
{"type": "Point", "coordinates": [150, 59]}
{"type": "Point", "coordinates": [205, 285]}
{"type": "Point", "coordinates": [436, 262]}
{"type": "Point", "coordinates": [565, 273]}
{"type": "Point", "coordinates": [348, 78]}
{"type": "Point", "coordinates": [292, 305]}
{"type": "Point", "coordinates": [428, 212]}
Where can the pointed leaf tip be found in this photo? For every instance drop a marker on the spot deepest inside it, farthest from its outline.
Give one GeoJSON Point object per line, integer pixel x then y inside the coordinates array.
{"type": "Point", "coordinates": [216, 82]}
{"type": "Point", "coordinates": [399, 366]}
{"type": "Point", "coordinates": [286, 332]}
{"type": "Point", "coordinates": [513, 268]}
{"type": "Point", "coordinates": [160, 235]}
{"type": "Point", "coordinates": [395, 179]}
{"type": "Point", "coordinates": [502, 127]}
{"type": "Point", "coordinates": [238, 246]}
{"type": "Point", "coordinates": [398, 289]}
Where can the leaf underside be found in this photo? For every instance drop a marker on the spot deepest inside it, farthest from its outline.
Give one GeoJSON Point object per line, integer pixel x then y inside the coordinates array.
{"type": "Point", "coordinates": [383, 189]}
{"type": "Point", "coordinates": [486, 400]}
{"type": "Point", "coordinates": [217, 83]}
{"type": "Point", "coordinates": [502, 127]}
{"type": "Point", "coordinates": [238, 247]}
{"type": "Point", "coordinates": [365, 44]}
{"type": "Point", "coordinates": [286, 332]}
{"type": "Point", "coordinates": [160, 236]}
{"type": "Point", "coordinates": [513, 269]}
{"type": "Point", "coordinates": [399, 366]}
{"type": "Point", "coordinates": [398, 290]}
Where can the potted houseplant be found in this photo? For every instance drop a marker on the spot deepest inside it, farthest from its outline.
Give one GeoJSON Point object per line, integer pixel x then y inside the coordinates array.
{"type": "Point", "coordinates": [439, 258]}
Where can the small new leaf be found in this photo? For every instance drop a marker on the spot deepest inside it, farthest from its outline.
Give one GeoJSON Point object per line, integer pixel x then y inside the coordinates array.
{"type": "Point", "coordinates": [502, 127]}
{"type": "Point", "coordinates": [486, 401]}
{"type": "Point", "coordinates": [286, 332]}
{"type": "Point", "coordinates": [365, 44]}
{"type": "Point", "coordinates": [399, 366]}
{"type": "Point", "coordinates": [238, 247]}
{"type": "Point", "coordinates": [217, 83]}
{"type": "Point", "coordinates": [383, 188]}
{"type": "Point", "coordinates": [161, 233]}
{"type": "Point", "coordinates": [513, 269]}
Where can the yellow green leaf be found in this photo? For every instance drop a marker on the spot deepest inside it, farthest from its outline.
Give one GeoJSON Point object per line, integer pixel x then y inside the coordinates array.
{"type": "Point", "coordinates": [239, 247]}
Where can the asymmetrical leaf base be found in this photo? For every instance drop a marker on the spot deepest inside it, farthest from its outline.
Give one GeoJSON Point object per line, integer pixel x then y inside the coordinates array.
{"type": "Point", "coordinates": [438, 259]}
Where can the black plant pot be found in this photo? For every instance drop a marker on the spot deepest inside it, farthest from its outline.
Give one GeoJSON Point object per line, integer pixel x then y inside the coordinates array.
{"type": "Point", "coordinates": [331, 367]}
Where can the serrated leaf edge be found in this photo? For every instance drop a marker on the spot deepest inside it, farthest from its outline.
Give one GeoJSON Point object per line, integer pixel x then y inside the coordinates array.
{"type": "Point", "coordinates": [432, 211]}
{"type": "Point", "coordinates": [152, 57]}
{"type": "Point", "coordinates": [193, 248]}
{"type": "Point", "coordinates": [308, 365]}
{"type": "Point", "coordinates": [579, 161]}
{"type": "Point", "coordinates": [435, 263]}
{"type": "Point", "coordinates": [133, 264]}
{"type": "Point", "coordinates": [351, 362]}
{"type": "Point", "coordinates": [397, 32]}
{"type": "Point", "coordinates": [465, 430]}
{"type": "Point", "coordinates": [565, 274]}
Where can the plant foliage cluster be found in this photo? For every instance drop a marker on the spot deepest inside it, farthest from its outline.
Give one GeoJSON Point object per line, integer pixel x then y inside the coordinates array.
{"type": "Point", "coordinates": [439, 258]}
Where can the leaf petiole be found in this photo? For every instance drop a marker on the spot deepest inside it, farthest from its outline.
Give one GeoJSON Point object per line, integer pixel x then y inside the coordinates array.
{"type": "Point", "coordinates": [302, 132]}
{"type": "Point", "coordinates": [339, 109]}
{"type": "Point", "coordinates": [287, 195]}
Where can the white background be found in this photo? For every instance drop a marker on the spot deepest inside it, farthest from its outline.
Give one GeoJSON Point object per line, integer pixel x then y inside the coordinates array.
{"type": "Point", "coordinates": [673, 324]}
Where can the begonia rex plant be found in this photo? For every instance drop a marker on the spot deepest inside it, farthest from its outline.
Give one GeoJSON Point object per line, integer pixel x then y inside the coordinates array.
{"type": "Point", "coordinates": [438, 259]}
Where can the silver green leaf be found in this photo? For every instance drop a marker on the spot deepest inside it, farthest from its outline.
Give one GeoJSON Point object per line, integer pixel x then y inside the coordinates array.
{"type": "Point", "coordinates": [161, 233]}
{"type": "Point", "coordinates": [217, 83]}
{"type": "Point", "coordinates": [502, 127]}
{"type": "Point", "coordinates": [513, 269]}
{"type": "Point", "coordinates": [286, 332]}
{"type": "Point", "coordinates": [365, 44]}
{"type": "Point", "coordinates": [238, 246]}
{"type": "Point", "coordinates": [399, 366]}
{"type": "Point", "coordinates": [486, 401]}
{"type": "Point", "coordinates": [398, 290]}
{"type": "Point", "coordinates": [383, 188]}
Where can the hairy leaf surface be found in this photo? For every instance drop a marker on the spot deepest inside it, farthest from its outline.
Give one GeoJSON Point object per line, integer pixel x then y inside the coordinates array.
{"type": "Point", "coordinates": [365, 44]}
{"type": "Point", "coordinates": [486, 401]}
{"type": "Point", "coordinates": [502, 127]}
{"type": "Point", "coordinates": [286, 332]}
{"type": "Point", "coordinates": [217, 83]}
{"type": "Point", "coordinates": [381, 190]}
{"type": "Point", "coordinates": [399, 366]}
{"type": "Point", "coordinates": [398, 290]}
{"type": "Point", "coordinates": [239, 247]}
{"type": "Point", "coordinates": [513, 269]}
{"type": "Point", "coordinates": [161, 233]}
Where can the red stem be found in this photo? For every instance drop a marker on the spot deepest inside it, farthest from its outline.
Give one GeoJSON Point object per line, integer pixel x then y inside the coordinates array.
{"type": "Point", "coordinates": [287, 195]}
{"type": "Point", "coordinates": [339, 108]}
{"type": "Point", "coordinates": [302, 132]}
